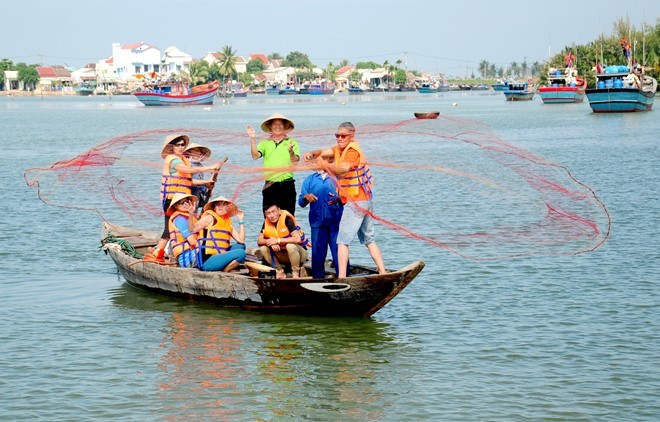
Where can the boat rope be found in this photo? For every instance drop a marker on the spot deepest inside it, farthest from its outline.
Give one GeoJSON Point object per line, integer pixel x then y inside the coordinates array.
{"type": "Point", "coordinates": [123, 243]}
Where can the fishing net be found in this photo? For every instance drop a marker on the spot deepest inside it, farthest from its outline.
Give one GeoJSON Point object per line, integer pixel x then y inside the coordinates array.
{"type": "Point", "coordinates": [449, 183]}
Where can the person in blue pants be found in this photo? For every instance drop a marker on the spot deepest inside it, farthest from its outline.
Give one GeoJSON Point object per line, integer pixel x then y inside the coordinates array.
{"type": "Point", "coordinates": [215, 233]}
{"type": "Point", "coordinates": [319, 190]}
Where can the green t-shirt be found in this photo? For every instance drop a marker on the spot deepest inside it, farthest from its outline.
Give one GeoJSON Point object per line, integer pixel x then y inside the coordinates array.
{"type": "Point", "coordinates": [277, 155]}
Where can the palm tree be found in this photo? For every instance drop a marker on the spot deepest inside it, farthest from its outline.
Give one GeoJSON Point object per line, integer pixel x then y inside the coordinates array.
{"type": "Point", "coordinates": [199, 72]}
{"type": "Point", "coordinates": [227, 66]}
{"type": "Point", "coordinates": [483, 68]}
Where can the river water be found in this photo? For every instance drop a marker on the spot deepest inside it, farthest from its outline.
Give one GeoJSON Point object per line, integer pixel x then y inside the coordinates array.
{"type": "Point", "coordinates": [540, 337]}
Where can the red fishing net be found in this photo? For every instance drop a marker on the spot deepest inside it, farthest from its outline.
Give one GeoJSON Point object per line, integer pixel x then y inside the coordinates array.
{"type": "Point", "coordinates": [451, 183]}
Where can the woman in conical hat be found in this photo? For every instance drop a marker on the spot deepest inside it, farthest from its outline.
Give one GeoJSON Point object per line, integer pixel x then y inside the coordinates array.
{"type": "Point", "coordinates": [215, 232]}
{"type": "Point", "coordinates": [196, 154]}
{"type": "Point", "coordinates": [176, 177]}
{"type": "Point", "coordinates": [280, 153]}
{"type": "Point", "coordinates": [182, 239]}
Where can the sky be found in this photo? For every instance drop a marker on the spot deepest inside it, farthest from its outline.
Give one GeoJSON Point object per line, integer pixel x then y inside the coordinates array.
{"type": "Point", "coordinates": [427, 35]}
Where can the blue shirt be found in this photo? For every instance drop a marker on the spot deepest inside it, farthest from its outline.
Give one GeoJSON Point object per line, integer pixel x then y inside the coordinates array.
{"type": "Point", "coordinates": [186, 258]}
{"type": "Point", "coordinates": [327, 209]}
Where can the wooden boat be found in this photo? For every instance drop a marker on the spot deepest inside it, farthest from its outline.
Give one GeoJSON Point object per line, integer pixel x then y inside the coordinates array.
{"type": "Point", "coordinates": [273, 89]}
{"type": "Point", "coordinates": [320, 89]}
{"type": "Point", "coordinates": [169, 94]}
{"type": "Point", "coordinates": [427, 114]}
{"type": "Point", "coordinates": [289, 90]}
{"type": "Point", "coordinates": [501, 86]}
{"type": "Point", "coordinates": [620, 91]}
{"type": "Point", "coordinates": [355, 90]}
{"type": "Point", "coordinates": [427, 88]}
{"type": "Point", "coordinates": [518, 91]}
{"type": "Point", "coordinates": [563, 87]}
{"type": "Point", "coordinates": [254, 286]}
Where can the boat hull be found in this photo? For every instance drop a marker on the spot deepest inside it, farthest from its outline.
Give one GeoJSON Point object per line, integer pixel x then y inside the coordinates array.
{"type": "Point", "coordinates": [320, 91]}
{"type": "Point", "coordinates": [554, 95]}
{"type": "Point", "coordinates": [518, 95]}
{"type": "Point", "coordinates": [355, 91]}
{"type": "Point", "coordinates": [427, 90]}
{"type": "Point", "coordinates": [619, 100]}
{"type": "Point", "coordinates": [361, 294]}
{"type": "Point", "coordinates": [195, 98]}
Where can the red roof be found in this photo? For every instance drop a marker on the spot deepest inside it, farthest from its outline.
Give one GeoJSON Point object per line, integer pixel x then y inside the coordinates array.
{"type": "Point", "coordinates": [46, 72]}
{"type": "Point", "coordinates": [134, 45]}
{"type": "Point", "coordinates": [345, 69]}
{"type": "Point", "coordinates": [259, 56]}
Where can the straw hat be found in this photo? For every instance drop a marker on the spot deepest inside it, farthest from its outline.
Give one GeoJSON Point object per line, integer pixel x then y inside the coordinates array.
{"type": "Point", "coordinates": [167, 147]}
{"type": "Point", "coordinates": [211, 204]}
{"type": "Point", "coordinates": [178, 197]}
{"type": "Point", "coordinates": [265, 126]}
{"type": "Point", "coordinates": [206, 151]}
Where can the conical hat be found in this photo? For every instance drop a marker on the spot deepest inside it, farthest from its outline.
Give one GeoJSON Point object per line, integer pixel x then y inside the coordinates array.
{"type": "Point", "coordinates": [209, 205]}
{"type": "Point", "coordinates": [178, 197]}
{"type": "Point", "coordinates": [206, 151]}
{"type": "Point", "coordinates": [265, 126]}
{"type": "Point", "coordinates": [167, 147]}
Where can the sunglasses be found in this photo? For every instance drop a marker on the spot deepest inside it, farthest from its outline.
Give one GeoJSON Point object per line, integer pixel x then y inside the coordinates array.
{"type": "Point", "coordinates": [180, 144]}
{"type": "Point", "coordinates": [186, 201]}
{"type": "Point", "coordinates": [342, 136]}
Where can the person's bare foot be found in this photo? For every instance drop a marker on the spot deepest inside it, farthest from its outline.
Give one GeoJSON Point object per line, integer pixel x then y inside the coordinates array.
{"type": "Point", "coordinates": [295, 274]}
{"type": "Point", "coordinates": [279, 274]}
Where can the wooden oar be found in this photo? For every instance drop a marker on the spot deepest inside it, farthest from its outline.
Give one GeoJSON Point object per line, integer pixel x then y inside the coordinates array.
{"type": "Point", "coordinates": [209, 192]}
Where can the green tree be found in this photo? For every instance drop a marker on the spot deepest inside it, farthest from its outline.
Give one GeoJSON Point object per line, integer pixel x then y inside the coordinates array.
{"type": "Point", "coordinates": [227, 66]}
{"type": "Point", "coordinates": [367, 65]}
{"type": "Point", "coordinates": [255, 66]}
{"type": "Point", "coordinates": [214, 72]}
{"type": "Point", "coordinates": [199, 72]}
{"type": "Point", "coordinates": [298, 60]}
{"type": "Point", "coordinates": [483, 68]}
{"type": "Point", "coordinates": [275, 56]}
{"type": "Point", "coordinates": [355, 76]}
{"type": "Point", "coordinates": [343, 63]}
{"type": "Point", "coordinates": [400, 77]}
{"type": "Point", "coordinates": [5, 64]}
{"type": "Point", "coordinates": [28, 75]}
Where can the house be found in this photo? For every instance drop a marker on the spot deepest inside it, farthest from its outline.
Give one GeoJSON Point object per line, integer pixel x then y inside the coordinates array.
{"type": "Point", "coordinates": [342, 78]}
{"type": "Point", "coordinates": [12, 82]}
{"type": "Point", "coordinates": [174, 61]}
{"type": "Point", "coordinates": [212, 57]}
{"type": "Point", "coordinates": [136, 58]}
{"type": "Point", "coordinates": [260, 56]}
{"type": "Point", "coordinates": [54, 78]}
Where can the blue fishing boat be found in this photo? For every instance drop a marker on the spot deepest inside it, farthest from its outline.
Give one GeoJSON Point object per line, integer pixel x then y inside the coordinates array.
{"type": "Point", "coordinates": [273, 89]}
{"type": "Point", "coordinates": [355, 90]}
{"type": "Point", "coordinates": [518, 91]}
{"type": "Point", "coordinates": [563, 87]}
{"type": "Point", "coordinates": [620, 91]}
{"type": "Point", "coordinates": [320, 89]}
{"type": "Point", "coordinates": [427, 88]}
{"type": "Point", "coordinates": [500, 86]}
{"type": "Point", "coordinates": [177, 94]}
{"type": "Point", "coordinates": [289, 89]}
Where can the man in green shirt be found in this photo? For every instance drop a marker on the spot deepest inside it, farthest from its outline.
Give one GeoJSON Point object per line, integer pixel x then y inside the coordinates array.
{"type": "Point", "coordinates": [280, 153]}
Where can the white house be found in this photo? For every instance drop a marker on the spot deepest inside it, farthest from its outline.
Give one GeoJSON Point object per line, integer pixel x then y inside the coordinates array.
{"type": "Point", "coordinates": [136, 58]}
{"type": "Point", "coordinates": [174, 61]}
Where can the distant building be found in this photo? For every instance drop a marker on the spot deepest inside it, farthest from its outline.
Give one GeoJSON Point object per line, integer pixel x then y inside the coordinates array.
{"type": "Point", "coordinates": [136, 58]}
{"type": "Point", "coordinates": [54, 78]}
{"type": "Point", "coordinates": [174, 61]}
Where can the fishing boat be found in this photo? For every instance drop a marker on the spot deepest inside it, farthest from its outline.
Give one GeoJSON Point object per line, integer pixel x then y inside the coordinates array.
{"type": "Point", "coordinates": [427, 88]}
{"type": "Point", "coordinates": [619, 91]}
{"type": "Point", "coordinates": [427, 114]}
{"type": "Point", "coordinates": [239, 90]}
{"type": "Point", "coordinates": [85, 90]}
{"type": "Point", "coordinates": [273, 89]}
{"type": "Point", "coordinates": [289, 89]}
{"type": "Point", "coordinates": [355, 90]}
{"type": "Point", "coordinates": [500, 86]}
{"type": "Point", "coordinates": [322, 88]}
{"type": "Point", "coordinates": [518, 91]}
{"type": "Point", "coordinates": [253, 286]}
{"type": "Point", "coordinates": [563, 87]}
{"type": "Point", "coordinates": [176, 93]}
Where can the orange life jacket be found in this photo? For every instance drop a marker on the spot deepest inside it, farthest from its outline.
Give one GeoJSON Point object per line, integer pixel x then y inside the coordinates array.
{"type": "Point", "coordinates": [350, 183]}
{"type": "Point", "coordinates": [174, 183]}
{"type": "Point", "coordinates": [178, 243]}
{"type": "Point", "coordinates": [215, 238]}
{"type": "Point", "coordinates": [280, 230]}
